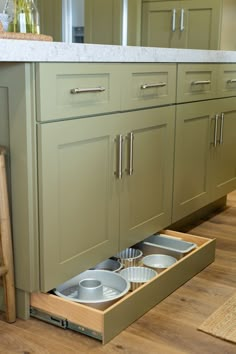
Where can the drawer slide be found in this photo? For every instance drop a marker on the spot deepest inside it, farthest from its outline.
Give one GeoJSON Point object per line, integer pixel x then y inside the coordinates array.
{"type": "Point", "coordinates": [63, 323]}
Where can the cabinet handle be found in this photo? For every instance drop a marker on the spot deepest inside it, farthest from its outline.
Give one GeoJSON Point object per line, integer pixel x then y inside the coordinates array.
{"type": "Point", "coordinates": [216, 130]}
{"type": "Point", "coordinates": [130, 168]}
{"type": "Point", "coordinates": [76, 91]}
{"type": "Point", "coordinates": [201, 82]}
{"type": "Point", "coordinates": [158, 84]}
{"type": "Point", "coordinates": [221, 128]}
{"type": "Point", "coordinates": [182, 20]}
{"type": "Point", "coordinates": [231, 81]}
{"type": "Point", "coordinates": [173, 20]}
{"type": "Point", "coordinates": [119, 159]}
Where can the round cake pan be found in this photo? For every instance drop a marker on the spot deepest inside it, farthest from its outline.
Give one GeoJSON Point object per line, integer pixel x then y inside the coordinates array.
{"type": "Point", "coordinates": [114, 286]}
{"type": "Point", "coordinates": [130, 257]}
{"type": "Point", "coordinates": [158, 261]}
{"type": "Point", "coordinates": [137, 275]}
{"type": "Point", "coordinates": [109, 264]}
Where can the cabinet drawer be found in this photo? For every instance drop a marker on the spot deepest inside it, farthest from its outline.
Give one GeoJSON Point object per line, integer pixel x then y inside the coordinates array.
{"type": "Point", "coordinates": [227, 80]}
{"type": "Point", "coordinates": [106, 324]}
{"type": "Point", "coordinates": [75, 89]}
{"type": "Point", "coordinates": [147, 85]}
{"type": "Point", "coordinates": [196, 82]}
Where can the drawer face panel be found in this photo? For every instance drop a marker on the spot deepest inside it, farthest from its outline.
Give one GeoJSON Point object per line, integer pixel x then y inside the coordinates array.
{"type": "Point", "coordinates": [147, 85]}
{"type": "Point", "coordinates": [106, 324]}
{"type": "Point", "coordinates": [196, 82]}
{"type": "Point", "coordinates": [227, 80]}
{"type": "Point", "coordinates": [76, 89]}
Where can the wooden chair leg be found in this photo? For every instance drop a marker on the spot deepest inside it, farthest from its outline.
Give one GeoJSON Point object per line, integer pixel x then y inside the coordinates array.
{"type": "Point", "coordinates": [6, 251]}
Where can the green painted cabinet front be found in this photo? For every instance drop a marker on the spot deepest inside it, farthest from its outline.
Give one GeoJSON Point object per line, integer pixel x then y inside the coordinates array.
{"type": "Point", "coordinates": [223, 156]}
{"type": "Point", "coordinates": [146, 186]}
{"type": "Point", "coordinates": [78, 198]}
{"type": "Point", "coordinates": [191, 24]}
{"type": "Point", "coordinates": [194, 135]}
{"type": "Point", "coordinates": [97, 197]}
{"type": "Point", "coordinates": [205, 162]}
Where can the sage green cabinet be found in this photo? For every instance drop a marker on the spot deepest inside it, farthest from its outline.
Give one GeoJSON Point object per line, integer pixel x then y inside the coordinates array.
{"type": "Point", "coordinates": [104, 21]}
{"type": "Point", "coordinates": [146, 185]}
{"type": "Point", "coordinates": [181, 24]}
{"type": "Point", "coordinates": [223, 156]}
{"type": "Point", "coordinates": [78, 197]}
{"type": "Point", "coordinates": [205, 162]}
{"type": "Point", "coordinates": [88, 208]}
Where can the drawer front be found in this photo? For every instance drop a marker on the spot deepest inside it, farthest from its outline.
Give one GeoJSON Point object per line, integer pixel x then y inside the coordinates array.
{"type": "Point", "coordinates": [75, 89]}
{"type": "Point", "coordinates": [196, 82]}
{"type": "Point", "coordinates": [226, 80]}
{"type": "Point", "coordinates": [105, 324]}
{"type": "Point", "coordinates": [148, 85]}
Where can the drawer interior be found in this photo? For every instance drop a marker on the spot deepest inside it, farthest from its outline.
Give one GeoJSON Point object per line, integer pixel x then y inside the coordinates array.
{"type": "Point", "coordinates": [105, 324]}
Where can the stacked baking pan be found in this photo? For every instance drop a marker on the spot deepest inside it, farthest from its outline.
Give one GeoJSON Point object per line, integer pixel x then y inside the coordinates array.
{"type": "Point", "coordinates": [111, 279]}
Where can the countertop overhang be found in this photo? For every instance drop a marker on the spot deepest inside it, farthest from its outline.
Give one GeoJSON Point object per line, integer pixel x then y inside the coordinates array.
{"type": "Point", "coordinates": [36, 51]}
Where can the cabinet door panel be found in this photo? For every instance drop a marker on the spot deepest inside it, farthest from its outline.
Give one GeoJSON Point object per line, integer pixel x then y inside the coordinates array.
{"type": "Point", "coordinates": [78, 202]}
{"type": "Point", "coordinates": [201, 23]}
{"type": "Point", "coordinates": [146, 194]}
{"type": "Point", "coordinates": [159, 27]}
{"type": "Point", "coordinates": [224, 155]}
{"type": "Point", "coordinates": [192, 146]}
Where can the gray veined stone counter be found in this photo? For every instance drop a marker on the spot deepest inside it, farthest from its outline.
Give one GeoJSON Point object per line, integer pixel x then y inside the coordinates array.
{"type": "Point", "coordinates": [36, 51]}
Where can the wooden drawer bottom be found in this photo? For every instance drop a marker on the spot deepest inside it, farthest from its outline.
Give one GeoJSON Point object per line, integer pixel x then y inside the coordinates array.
{"type": "Point", "coordinates": [106, 324]}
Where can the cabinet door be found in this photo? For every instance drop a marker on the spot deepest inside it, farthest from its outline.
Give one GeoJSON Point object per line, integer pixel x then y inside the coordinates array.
{"type": "Point", "coordinates": [194, 137]}
{"type": "Point", "coordinates": [200, 23]}
{"type": "Point", "coordinates": [78, 201]}
{"type": "Point", "coordinates": [223, 157]}
{"type": "Point", "coordinates": [146, 191]}
{"type": "Point", "coordinates": [103, 21]}
{"type": "Point", "coordinates": [182, 24]}
{"type": "Point", "coordinates": [160, 24]}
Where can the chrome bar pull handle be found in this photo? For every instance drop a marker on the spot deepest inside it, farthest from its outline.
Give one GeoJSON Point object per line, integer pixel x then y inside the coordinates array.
{"type": "Point", "coordinates": [231, 81]}
{"type": "Point", "coordinates": [158, 84]}
{"type": "Point", "coordinates": [221, 128]}
{"type": "Point", "coordinates": [182, 20]}
{"type": "Point", "coordinates": [76, 91]}
{"type": "Point", "coordinates": [119, 159]}
{"type": "Point", "coordinates": [130, 169]}
{"type": "Point", "coordinates": [216, 130]}
{"type": "Point", "coordinates": [201, 82]}
{"type": "Point", "coordinates": [173, 20]}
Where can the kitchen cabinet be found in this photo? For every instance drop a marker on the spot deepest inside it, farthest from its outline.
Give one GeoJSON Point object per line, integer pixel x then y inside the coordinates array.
{"type": "Point", "coordinates": [104, 21]}
{"type": "Point", "coordinates": [223, 160]}
{"type": "Point", "coordinates": [96, 150]}
{"type": "Point", "coordinates": [78, 197]}
{"type": "Point", "coordinates": [146, 188]}
{"type": "Point", "coordinates": [130, 157]}
{"type": "Point", "coordinates": [205, 164]}
{"type": "Point", "coordinates": [195, 24]}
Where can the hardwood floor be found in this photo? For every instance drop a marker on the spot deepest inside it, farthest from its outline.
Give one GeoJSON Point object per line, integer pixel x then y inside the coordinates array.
{"type": "Point", "coordinates": [170, 327]}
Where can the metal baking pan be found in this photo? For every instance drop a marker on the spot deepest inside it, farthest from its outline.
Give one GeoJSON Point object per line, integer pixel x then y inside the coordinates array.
{"type": "Point", "coordinates": [165, 244]}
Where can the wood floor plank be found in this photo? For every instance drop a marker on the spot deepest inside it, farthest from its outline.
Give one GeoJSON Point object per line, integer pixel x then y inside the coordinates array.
{"type": "Point", "coordinates": [168, 328]}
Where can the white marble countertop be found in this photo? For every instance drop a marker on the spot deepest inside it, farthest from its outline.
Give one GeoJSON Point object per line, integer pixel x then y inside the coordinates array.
{"type": "Point", "coordinates": [35, 51]}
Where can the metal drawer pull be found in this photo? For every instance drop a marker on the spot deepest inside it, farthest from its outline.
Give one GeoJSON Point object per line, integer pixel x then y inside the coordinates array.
{"type": "Point", "coordinates": [216, 130]}
{"type": "Point", "coordinates": [159, 84]}
{"type": "Point", "coordinates": [182, 20]}
{"type": "Point", "coordinates": [221, 128]}
{"type": "Point", "coordinates": [201, 82]}
{"type": "Point", "coordinates": [173, 20]}
{"type": "Point", "coordinates": [119, 159]}
{"type": "Point", "coordinates": [231, 81]}
{"type": "Point", "coordinates": [75, 91]}
{"type": "Point", "coordinates": [130, 168]}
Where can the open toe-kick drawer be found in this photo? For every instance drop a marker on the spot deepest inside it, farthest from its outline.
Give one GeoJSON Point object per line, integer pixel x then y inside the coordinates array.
{"type": "Point", "coordinates": [107, 323]}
